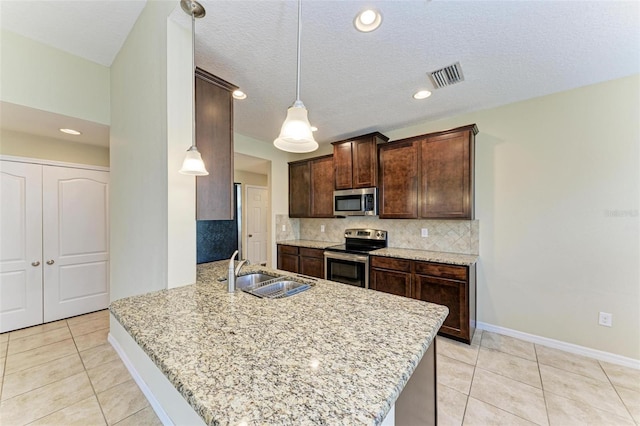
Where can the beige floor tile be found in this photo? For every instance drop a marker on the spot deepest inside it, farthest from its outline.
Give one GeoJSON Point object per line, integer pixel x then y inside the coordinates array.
{"type": "Point", "coordinates": [4, 337]}
{"type": "Point", "coordinates": [88, 341]}
{"type": "Point", "coordinates": [3, 348]}
{"type": "Point", "coordinates": [121, 401]}
{"type": "Point", "coordinates": [631, 400]}
{"type": "Point", "coordinates": [37, 356]}
{"type": "Point", "coordinates": [41, 375]}
{"type": "Point", "coordinates": [108, 375]}
{"type": "Point", "coordinates": [83, 413]}
{"type": "Point", "coordinates": [85, 327]}
{"type": "Point", "coordinates": [98, 355]}
{"type": "Point", "coordinates": [144, 417]}
{"type": "Point", "coordinates": [567, 412]}
{"type": "Point", "coordinates": [622, 376]}
{"type": "Point", "coordinates": [479, 413]}
{"type": "Point", "coordinates": [456, 350]}
{"type": "Point", "coordinates": [508, 345]}
{"type": "Point", "coordinates": [570, 362]}
{"type": "Point", "coordinates": [451, 405]}
{"type": "Point", "coordinates": [43, 401]}
{"type": "Point", "coordinates": [511, 366]}
{"type": "Point", "coordinates": [509, 395]}
{"type": "Point", "coordinates": [103, 314]}
{"type": "Point", "coordinates": [477, 337]}
{"type": "Point", "coordinates": [2, 362]}
{"type": "Point", "coordinates": [583, 389]}
{"type": "Point", "coordinates": [37, 340]}
{"type": "Point", "coordinates": [455, 374]}
{"type": "Point", "coordinates": [18, 334]}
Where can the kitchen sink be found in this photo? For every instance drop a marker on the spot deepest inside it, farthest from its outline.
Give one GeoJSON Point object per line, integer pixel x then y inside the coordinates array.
{"type": "Point", "coordinates": [244, 281]}
{"type": "Point", "coordinates": [277, 288]}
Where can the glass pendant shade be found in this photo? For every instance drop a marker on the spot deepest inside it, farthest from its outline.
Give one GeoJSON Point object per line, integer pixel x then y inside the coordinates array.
{"type": "Point", "coordinates": [193, 164]}
{"type": "Point", "coordinates": [295, 134]}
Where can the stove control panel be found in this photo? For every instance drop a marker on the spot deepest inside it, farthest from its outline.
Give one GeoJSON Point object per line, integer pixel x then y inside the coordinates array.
{"type": "Point", "coordinates": [365, 234]}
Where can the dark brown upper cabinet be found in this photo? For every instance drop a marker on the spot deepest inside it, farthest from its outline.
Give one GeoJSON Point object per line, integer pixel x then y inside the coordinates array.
{"type": "Point", "coordinates": [355, 161]}
{"type": "Point", "coordinates": [311, 187]}
{"type": "Point", "coordinates": [214, 138]}
{"type": "Point", "coordinates": [428, 176]}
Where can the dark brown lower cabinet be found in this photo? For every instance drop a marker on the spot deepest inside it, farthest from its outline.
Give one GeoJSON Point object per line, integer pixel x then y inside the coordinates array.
{"type": "Point", "coordinates": [453, 286]}
{"type": "Point", "coordinates": [303, 260]}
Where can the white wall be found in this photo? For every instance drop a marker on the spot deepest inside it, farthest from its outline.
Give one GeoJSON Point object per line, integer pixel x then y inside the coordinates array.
{"type": "Point", "coordinates": [557, 197]}
{"type": "Point", "coordinates": [248, 178]}
{"type": "Point", "coordinates": [49, 79]}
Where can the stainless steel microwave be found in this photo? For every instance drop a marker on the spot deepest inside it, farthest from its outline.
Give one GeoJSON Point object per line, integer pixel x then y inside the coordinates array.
{"type": "Point", "coordinates": [355, 202]}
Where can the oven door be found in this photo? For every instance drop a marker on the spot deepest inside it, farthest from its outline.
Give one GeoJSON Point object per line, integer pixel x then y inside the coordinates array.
{"type": "Point", "coordinates": [347, 268]}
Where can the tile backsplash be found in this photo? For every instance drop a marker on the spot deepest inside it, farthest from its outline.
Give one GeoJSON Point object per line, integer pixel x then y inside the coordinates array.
{"type": "Point", "coordinates": [453, 236]}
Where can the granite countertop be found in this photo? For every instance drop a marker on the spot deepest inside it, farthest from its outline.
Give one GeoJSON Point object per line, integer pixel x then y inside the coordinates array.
{"type": "Point", "coordinates": [334, 354]}
{"type": "Point", "coordinates": [310, 243]}
{"type": "Point", "coordinates": [428, 256]}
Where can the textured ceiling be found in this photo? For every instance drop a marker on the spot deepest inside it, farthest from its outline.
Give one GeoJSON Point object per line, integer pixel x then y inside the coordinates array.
{"type": "Point", "coordinates": [354, 83]}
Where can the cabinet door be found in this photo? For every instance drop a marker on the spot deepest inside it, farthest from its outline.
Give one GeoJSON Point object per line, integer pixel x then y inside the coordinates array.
{"type": "Point", "coordinates": [321, 171]}
{"type": "Point", "coordinates": [364, 163]}
{"type": "Point", "coordinates": [393, 282]}
{"type": "Point", "coordinates": [453, 295]}
{"type": "Point", "coordinates": [299, 189]}
{"type": "Point", "coordinates": [21, 260]}
{"type": "Point", "coordinates": [288, 262]}
{"type": "Point", "coordinates": [214, 138]}
{"type": "Point", "coordinates": [399, 180]}
{"type": "Point", "coordinates": [343, 165]}
{"type": "Point", "coordinates": [312, 266]}
{"type": "Point", "coordinates": [446, 176]}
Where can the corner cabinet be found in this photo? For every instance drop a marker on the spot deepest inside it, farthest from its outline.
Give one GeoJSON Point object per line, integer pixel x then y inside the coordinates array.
{"type": "Point", "coordinates": [429, 176]}
{"type": "Point", "coordinates": [214, 138]}
{"type": "Point", "coordinates": [311, 187]}
{"type": "Point", "coordinates": [355, 161]}
{"type": "Point", "coordinates": [453, 286]}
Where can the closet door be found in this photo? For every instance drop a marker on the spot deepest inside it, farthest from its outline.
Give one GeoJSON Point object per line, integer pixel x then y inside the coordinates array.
{"type": "Point", "coordinates": [20, 245]}
{"type": "Point", "coordinates": [76, 241]}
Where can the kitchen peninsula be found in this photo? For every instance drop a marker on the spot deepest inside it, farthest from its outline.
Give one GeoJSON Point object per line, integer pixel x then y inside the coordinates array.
{"type": "Point", "coordinates": [333, 354]}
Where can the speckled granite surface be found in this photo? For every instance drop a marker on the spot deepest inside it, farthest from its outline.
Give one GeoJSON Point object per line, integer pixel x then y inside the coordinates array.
{"type": "Point", "coordinates": [334, 354]}
{"type": "Point", "coordinates": [428, 256]}
{"type": "Point", "coordinates": [310, 243]}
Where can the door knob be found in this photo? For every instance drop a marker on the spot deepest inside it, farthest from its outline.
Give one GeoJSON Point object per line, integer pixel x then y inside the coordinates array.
{"type": "Point", "coordinates": [250, 235]}
{"type": "Point", "coordinates": [50, 262]}
{"type": "Point", "coordinates": [36, 263]}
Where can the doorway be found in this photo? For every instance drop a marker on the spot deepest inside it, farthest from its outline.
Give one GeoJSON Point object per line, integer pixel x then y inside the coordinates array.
{"type": "Point", "coordinates": [257, 208]}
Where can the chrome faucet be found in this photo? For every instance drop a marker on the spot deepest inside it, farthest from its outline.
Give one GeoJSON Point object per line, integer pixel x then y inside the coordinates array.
{"type": "Point", "coordinates": [234, 271]}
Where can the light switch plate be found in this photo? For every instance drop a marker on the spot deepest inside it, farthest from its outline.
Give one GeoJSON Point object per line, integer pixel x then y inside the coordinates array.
{"type": "Point", "coordinates": [424, 232]}
{"type": "Point", "coordinates": [321, 228]}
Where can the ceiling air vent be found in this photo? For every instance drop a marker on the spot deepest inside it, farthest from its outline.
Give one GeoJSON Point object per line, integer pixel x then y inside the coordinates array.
{"type": "Point", "coordinates": [446, 76]}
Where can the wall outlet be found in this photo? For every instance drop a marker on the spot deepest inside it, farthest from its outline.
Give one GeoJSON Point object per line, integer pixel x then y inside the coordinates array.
{"type": "Point", "coordinates": [424, 232]}
{"type": "Point", "coordinates": [284, 228]}
{"type": "Point", "coordinates": [605, 319]}
{"type": "Point", "coordinates": [321, 228]}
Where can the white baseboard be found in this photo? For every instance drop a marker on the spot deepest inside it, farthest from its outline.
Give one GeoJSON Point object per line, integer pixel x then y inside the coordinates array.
{"type": "Point", "coordinates": [162, 415]}
{"type": "Point", "coordinates": [563, 346]}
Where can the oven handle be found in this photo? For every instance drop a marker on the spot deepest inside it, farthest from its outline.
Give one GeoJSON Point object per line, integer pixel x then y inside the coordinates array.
{"type": "Point", "coordinates": [346, 256]}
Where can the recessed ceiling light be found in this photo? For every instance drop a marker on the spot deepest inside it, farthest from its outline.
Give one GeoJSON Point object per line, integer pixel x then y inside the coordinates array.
{"type": "Point", "coordinates": [239, 94]}
{"type": "Point", "coordinates": [367, 20]}
{"type": "Point", "coordinates": [71, 132]}
{"type": "Point", "coordinates": [314, 129]}
{"type": "Point", "coordinates": [422, 94]}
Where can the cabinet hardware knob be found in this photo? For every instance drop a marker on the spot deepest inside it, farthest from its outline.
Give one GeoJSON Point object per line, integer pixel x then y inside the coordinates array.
{"type": "Point", "coordinates": [36, 263]}
{"type": "Point", "coordinates": [50, 262]}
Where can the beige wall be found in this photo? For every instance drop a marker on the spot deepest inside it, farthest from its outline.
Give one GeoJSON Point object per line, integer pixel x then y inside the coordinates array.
{"type": "Point", "coordinates": [557, 197]}
{"type": "Point", "coordinates": [20, 144]}
{"type": "Point", "coordinates": [42, 77]}
{"type": "Point", "coordinates": [248, 178]}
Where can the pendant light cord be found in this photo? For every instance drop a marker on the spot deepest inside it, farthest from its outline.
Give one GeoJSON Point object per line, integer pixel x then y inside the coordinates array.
{"type": "Point", "coordinates": [299, 32]}
{"type": "Point", "coordinates": [193, 73]}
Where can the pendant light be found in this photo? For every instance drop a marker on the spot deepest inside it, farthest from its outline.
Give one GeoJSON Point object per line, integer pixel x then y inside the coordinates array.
{"type": "Point", "coordinates": [295, 134]}
{"type": "Point", "coordinates": [193, 164]}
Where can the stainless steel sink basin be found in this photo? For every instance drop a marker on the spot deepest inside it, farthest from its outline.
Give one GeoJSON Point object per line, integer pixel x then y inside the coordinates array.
{"type": "Point", "coordinates": [276, 288]}
{"type": "Point", "coordinates": [251, 280]}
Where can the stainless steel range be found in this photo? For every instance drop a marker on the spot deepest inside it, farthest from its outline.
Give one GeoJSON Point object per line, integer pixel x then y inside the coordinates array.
{"type": "Point", "coordinates": [348, 263]}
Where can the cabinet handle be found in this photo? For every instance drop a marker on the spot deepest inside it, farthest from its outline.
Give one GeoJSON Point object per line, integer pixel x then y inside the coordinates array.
{"type": "Point", "coordinates": [36, 263]}
{"type": "Point", "coordinates": [50, 262]}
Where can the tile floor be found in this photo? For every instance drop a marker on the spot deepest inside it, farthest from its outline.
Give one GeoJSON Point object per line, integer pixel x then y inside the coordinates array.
{"type": "Point", "coordinates": [66, 373]}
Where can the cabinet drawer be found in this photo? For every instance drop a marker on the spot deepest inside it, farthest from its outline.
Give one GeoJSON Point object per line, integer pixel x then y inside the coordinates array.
{"type": "Point", "coordinates": [391, 263]}
{"type": "Point", "coordinates": [311, 252]}
{"type": "Point", "coordinates": [444, 271]}
{"type": "Point", "coordinates": [284, 249]}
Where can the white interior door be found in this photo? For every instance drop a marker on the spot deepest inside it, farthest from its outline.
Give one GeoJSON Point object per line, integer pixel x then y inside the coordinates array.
{"type": "Point", "coordinates": [257, 202]}
{"type": "Point", "coordinates": [20, 245]}
{"type": "Point", "coordinates": [76, 241]}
